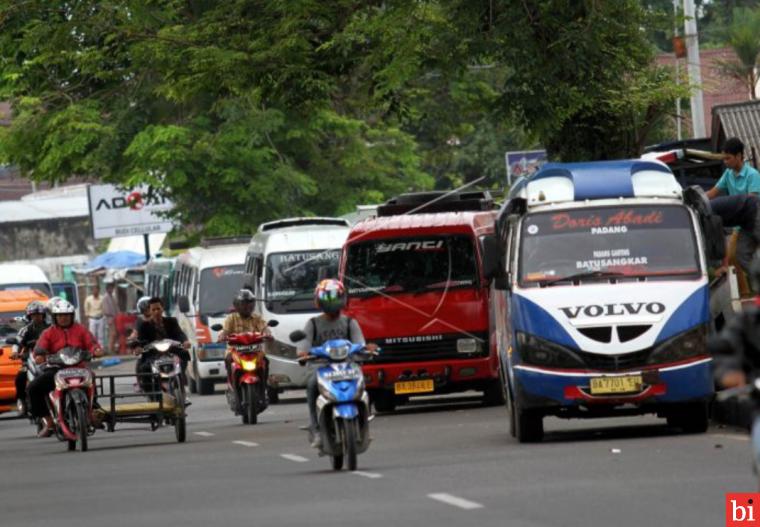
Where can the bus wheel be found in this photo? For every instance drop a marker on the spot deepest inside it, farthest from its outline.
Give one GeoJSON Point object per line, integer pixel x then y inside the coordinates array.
{"type": "Point", "coordinates": [692, 418]}
{"type": "Point", "coordinates": [529, 425]}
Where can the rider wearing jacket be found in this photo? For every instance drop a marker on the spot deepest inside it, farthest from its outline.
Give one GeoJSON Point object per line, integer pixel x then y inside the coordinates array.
{"type": "Point", "coordinates": [737, 348]}
{"type": "Point", "coordinates": [63, 333]}
{"type": "Point", "coordinates": [330, 298]}
{"type": "Point", "coordinates": [36, 313]}
{"type": "Point", "coordinates": [155, 326]}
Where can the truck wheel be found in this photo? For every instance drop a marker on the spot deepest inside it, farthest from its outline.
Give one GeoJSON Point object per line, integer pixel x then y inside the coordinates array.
{"type": "Point", "coordinates": [529, 425]}
{"type": "Point", "coordinates": [493, 395]}
{"type": "Point", "coordinates": [384, 401]}
{"type": "Point", "coordinates": [692, 418]}
{"type": "Point", "coordinates": [205, 386]}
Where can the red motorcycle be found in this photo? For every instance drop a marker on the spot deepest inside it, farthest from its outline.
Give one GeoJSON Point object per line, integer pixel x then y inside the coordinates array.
{"type": "Point", "coordinates": [70, 403]}
{"type": "Point", "coordinates": [247, 382]}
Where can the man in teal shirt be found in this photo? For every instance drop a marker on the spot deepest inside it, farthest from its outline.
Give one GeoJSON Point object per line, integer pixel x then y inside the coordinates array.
{"type": "Point", "coordinates": [739, 177]}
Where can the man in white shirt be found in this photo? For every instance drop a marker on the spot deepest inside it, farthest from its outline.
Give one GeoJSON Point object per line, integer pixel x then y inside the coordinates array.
{"type": "Point", "coordinates": [93, 310]}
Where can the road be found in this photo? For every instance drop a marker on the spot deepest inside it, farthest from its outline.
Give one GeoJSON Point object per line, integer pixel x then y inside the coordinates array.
{"type": "Point", "coordinates": [450, 463]}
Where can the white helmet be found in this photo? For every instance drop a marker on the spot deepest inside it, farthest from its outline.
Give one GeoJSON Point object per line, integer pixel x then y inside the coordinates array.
{"type": "Point", "coordinates": [62, 307]}
{"type": "Point", "coordinates": [142, 304]}
{"type": "Point", "coordinates": [52, 302]}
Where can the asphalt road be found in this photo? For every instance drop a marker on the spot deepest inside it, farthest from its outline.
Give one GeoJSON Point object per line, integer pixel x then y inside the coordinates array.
{"type": "Point", "coordinates": [450, 463]}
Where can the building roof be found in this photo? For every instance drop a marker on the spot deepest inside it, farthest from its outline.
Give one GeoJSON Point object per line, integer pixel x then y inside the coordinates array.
{"type": "Point", "coordinates": [62, 202]}
{"type": "Point", "coordinates": [740, 120]}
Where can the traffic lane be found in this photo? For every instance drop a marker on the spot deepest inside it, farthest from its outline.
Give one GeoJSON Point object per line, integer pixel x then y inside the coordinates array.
{"type": "Point", "coordinates": [624, 471]}
{"type": "Point", "coordinates": [460, 450]}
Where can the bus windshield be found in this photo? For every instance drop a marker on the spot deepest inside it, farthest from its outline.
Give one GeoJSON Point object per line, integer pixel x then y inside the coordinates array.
{"type": "Point", "coordinates": [291, 278]}
{"type": "Point", "coordinates": [589, 244]}
{"type": "Point", "coordinates": [218, 288]}
{"type": "Point", "coordinates": [410, 265]}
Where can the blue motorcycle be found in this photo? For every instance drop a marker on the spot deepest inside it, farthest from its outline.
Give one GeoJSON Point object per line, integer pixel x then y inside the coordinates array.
{"type": "Point", "coordinates": [343, 403]}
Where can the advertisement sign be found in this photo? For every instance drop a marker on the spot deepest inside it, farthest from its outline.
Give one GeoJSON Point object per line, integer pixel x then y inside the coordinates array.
{"type": "Point", "coordinates": [523, 163]}
{"type": "Point", "coordinates": [116, 212]}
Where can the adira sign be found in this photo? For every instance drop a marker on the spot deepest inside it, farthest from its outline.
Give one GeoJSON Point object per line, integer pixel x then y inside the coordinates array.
{"type": "Point", "coordinates": [610, 310]}
{"type": "Point", "coordinates": [116, 212]}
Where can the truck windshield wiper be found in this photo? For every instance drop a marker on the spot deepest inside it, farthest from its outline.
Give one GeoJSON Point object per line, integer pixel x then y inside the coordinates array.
{"type": "Point", "coordinates": [579, 276]}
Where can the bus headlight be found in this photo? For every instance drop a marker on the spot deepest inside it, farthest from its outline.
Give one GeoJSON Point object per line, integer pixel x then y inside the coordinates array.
{"type": "Point", "coordinates": [686, 345]}
{"type": "Point", "coordinates": [536, 351]}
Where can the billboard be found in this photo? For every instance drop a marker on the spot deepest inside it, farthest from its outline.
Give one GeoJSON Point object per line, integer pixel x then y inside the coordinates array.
{"type": "Point", "coordinates": [116, 212]}
{"type": "Point", "coordinates": [523, 163]}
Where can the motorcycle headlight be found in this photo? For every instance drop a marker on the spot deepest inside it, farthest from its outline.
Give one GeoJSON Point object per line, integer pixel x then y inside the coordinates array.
{"type": "Point", "coordinates": [338, 352]}
{"type": "Point", "coordinates": [536, 351]}
{"type": "Point", "coordinates": [70, 357]}
{"type": "Point", "coordinates": [248, 365]}
{"type": "Point", "coordinates": [686, 345]}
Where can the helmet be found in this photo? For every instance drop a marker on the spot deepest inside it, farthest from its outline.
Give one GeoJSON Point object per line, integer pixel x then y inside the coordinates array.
{"type": "Point", "coordinates": [35, 307]}
{"type": "Point", "coordinates": [244, 296]}
{"type": "Point", "coordinates": [62, 307]}
{"type": "Point", "coordinates": [52, 302]}
{"type": "Point", "coordinates": [143, 303]}
{"type": "Point", "coordinates": [754, 273]}
{"type": "Point", "coordinates": [330, 295]}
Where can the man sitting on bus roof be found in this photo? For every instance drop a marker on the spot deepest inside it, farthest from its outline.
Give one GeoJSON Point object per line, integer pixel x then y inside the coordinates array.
{"type": "Point", "coordinates": [739, 176]}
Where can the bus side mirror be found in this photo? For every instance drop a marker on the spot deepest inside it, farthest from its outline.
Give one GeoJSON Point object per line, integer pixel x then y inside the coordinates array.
{"type": "Point", "coordinates": [491, 251]}
{"type": "Point", "coordinates": [273, 323]}
{"type": "Point", "coordinates": [184, 304]}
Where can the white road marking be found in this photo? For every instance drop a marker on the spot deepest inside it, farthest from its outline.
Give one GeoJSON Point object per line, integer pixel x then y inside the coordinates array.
{"type": "Point", "coordinates": [246, 443]}
{"type": "Point", "coordinates": [370, 475]}
{"type": "Point", "coordinates": [203, 434]}
{"type": "Point", "coordinates": [293, 457]}
{"type": "Point", "coordinates": [455, 501]}
{"type": "Point", "coordinates": [735, 437]}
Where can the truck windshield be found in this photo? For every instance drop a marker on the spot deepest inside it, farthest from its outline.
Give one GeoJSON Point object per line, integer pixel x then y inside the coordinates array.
{"type": "Point", "coordinates": [593, 244]}
{"type": "Point", "coordinates": [291, 278]}
{"type": "Point", "coordinates": [410, 265]}
{"type": "Point", "coordinates": [218, 288]}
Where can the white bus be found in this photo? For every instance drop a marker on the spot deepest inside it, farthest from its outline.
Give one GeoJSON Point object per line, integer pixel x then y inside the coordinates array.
{"type": "Point", "coordinates": [206, 279]}
{"type": "Point", "coordinates": [285, 261]}
{"type": "Point", "coordinates": [24, 276]}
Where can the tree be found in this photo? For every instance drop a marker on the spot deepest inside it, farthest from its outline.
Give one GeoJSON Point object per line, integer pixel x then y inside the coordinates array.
{"type": "Point", "coordinates": [743, 35]}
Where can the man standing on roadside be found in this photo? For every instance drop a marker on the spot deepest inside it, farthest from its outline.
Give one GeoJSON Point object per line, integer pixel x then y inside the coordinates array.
{"type": "Point", "coordinates": [110, 310]}
{"type": "Point", "coordinates": [93, 310]}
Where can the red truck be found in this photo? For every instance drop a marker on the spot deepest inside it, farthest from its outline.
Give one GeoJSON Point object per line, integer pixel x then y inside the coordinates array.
{"type": "Point", "coordinates": [418, 287]}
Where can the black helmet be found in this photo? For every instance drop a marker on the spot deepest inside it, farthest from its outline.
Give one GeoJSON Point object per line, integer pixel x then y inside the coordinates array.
{"type": "Point", "coordinates": [754, 273]}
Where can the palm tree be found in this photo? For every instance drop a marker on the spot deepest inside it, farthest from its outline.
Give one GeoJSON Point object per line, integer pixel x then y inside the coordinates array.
{"type": "Point", "coordinates": [743, 35]}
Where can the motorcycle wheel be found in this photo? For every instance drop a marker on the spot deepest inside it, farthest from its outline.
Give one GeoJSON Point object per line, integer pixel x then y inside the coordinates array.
{"type": "Point", "coordinates": [76, 419]}
{"type": "Point", "coordinates": [250, 404]}
{"type": "Point", "coordinates": [180, 426]}
{"type": "Point", "coordinates": [349, 443]}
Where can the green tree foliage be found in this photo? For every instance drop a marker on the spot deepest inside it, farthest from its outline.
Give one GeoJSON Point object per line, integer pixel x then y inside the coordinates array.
{"type": "Point", "coordinates": [247, 110]}
{"type": "Point", "coordinates": [743, 35]}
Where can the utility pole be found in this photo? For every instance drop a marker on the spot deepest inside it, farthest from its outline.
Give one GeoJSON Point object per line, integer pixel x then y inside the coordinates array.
{"type": "Point", "coordinates": [678, 69]}
{"type": "Point", "coordinates": [695, 74]}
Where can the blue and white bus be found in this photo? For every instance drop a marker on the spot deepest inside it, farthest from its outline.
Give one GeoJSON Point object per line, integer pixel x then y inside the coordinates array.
{"type": "Point", "coordinates": [601, 302]}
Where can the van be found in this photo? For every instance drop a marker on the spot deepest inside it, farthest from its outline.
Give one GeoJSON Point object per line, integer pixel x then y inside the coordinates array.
{"type": "Point", "coordinates": [602, 303]}
{"type": "Point", "coordinates": [285, 261]}
{"type": "Point", "coordinates": [24, 276]}
{"type": "Point", "coordinates": [12, 318]}
{"type": "Point", "coordinates": [206, 279]}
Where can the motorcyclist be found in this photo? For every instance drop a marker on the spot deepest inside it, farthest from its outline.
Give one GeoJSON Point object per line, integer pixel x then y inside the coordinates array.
{"type": "Point", "coordinates": [63, 333]}
{"type": "Point", "coordinates": [153, 326]}
{"type": "Point", "coordinates": [330, 298]}
{"type": "Point", "coordinates": [36, 316]}
{"type": "Point", "coordinates": [737, 348]}
{"type": "Point", "coordinates": [243, 320]}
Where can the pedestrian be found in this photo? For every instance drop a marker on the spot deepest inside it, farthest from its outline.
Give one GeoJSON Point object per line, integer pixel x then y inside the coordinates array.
{"type": "Point", "coordinates": [93, 310]}
{"type": "Point", "coordinates": [110, 310]}
{"type": "Point", "coordinates": [741, 211]}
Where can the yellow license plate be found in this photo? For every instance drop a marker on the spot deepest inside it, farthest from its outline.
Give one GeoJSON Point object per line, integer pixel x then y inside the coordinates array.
{"type": "Point", "coordinates": [423, 386]}
{"type": "Point", "coordinates": [623, 384]}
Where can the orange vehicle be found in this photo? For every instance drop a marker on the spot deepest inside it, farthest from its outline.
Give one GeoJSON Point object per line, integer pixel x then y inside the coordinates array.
{"type": "Point", "coordinates": [12, 311]}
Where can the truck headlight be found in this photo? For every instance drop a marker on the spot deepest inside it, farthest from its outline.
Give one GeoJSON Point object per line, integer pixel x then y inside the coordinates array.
{"type": "Point", "coordinates": [468, 346]}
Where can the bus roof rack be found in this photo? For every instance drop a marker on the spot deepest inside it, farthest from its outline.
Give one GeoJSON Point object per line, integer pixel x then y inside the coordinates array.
{"type": "Point", "coordinates": [224, 240]}
{"type": "Point", "coordinates": [439, 201]}
{"type": "Point", "coordinates": [297, 222]}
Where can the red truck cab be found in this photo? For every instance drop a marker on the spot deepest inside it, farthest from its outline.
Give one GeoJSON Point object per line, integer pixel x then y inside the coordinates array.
{"type": "Point", "coordinates": [418, 288]}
